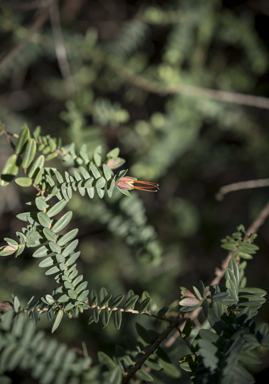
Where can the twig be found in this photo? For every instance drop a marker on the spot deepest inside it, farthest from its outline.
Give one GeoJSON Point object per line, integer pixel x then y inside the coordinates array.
{"type": "Point", "coordinates": [35, 27]}
{"type": "Point", "coordinates": [4, 132]}
{"type": "Point", "coordinates": [182, 89]}
{"type": "Point", "coordinates": [131, 311]}
{"type": "Point", "coordinates": [150, 350]}
{"type": "Point", "coordinates": [258, 222]}
{"type": "Point", "coordinates": [241, 185]}
{"type": "Point", "coordinates": [60, 49]}
{"type": "Point", "coordinates": [186, 341]}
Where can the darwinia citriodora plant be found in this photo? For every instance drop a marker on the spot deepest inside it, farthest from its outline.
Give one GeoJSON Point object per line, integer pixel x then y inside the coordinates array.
{"type": "Point", "coordinates": [217, 351]}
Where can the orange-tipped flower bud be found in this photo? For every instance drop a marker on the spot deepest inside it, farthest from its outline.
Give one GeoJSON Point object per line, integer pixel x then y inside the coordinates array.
{"type": "Point", "coordinates": [128, 182]}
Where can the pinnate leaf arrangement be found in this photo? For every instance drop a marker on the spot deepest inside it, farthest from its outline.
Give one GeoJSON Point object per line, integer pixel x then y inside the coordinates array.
{"type": "Point", "coordinates": [218, 351]}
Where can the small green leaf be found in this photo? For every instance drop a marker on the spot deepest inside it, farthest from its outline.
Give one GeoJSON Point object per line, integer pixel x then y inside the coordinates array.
{"type": "Point", "coordinates": [22, 140]}
{"type": "Point", "coordinates": [55, 248]}
{"type": "Point", "coordinates": [10, 170]}
{"type": "Point", "coordinates": [81, 287]}
{"type": "Point", "coordinates": [63, 299]}
{"type": "Point", "coordinates": [163, 355]}
{"type": "Point", "coordinates": [143, 376]}
{"type": "Point", "coordinates": [105, 301]}
{"type": "Point", "coordinates": [114, 153]}
{"type": "Point", "coordinates": [68, 307]}
{"type": "Point", "coordinates": [51, 156]}
{"type": "Point", "coordinates": [101, 193]}
{"type": "Point", "coordinates": [48, 262]}
{"type": "Point", "coordinates": [245, 256]}
{"type": "Point", "coordinates": [144, 334]}
{"type": "Point", "coordinates": [93, 298]}
{"type": "Point", "coordinates": [162, 311]}
{"type": "Point", "coordinates": [70, 248]}
{"type": "Point", "coordinates": [49, 234]}
{"type": "Point", "coordinates": [41, 252]}
{"type": "Point", "coordinates": [95, 171]}
{"type": "Point", "coordinates": [117, 318]}
{"type": "Point", "coordinates": [23, 181]}
{"type": "Point", "coordinates": [96, 312]}
{"type": "Point", "coordinates": [39, 176]}
{"type": "Point", "coordinates": [29, 153]}
{"type": "Point", "coordinates": [124, 192]}
{"type": "Point", "coordinates": [105, 316]}
{"type": "Point", "coordinates": [187, 329]}
{"type": "Point", "coordinates": [97, 159]}
{"type": "Point", "coordinates": [16, 304]}
{"type": "Point", "coordinates": [197, 294]}
{"type": "Point", "coordinates": [83, 296]}
{"type": "Point", "coordinates": [50, 299]}
{"type": "Point", "coordinates": [130, 303]}
{"type": "Point", "coordinates": [90, 192]}
{"type": "Point", "coordinates": [72, 259]}
{"type": "Point", "coordinates": [78, 280]}
{"type": "Point", "coordinates": [144, 305]}
{"type": "Point", "coordinates": [62, 222]}
{"type": "Point", "coordinates": [170, 369]}
{"type": "Point", "coordinates": [57, 208]}
{"type": "Point", "coordinates": [72, 294]}
{"type": "Point", "coordinates": [57, 321]}
{"type": "Point", "coordinates": [67, 237]}
{"type": "Point", "coordinates": [52, 270]}
{"type": "Point", "coordinates": [41, 203]}
{"type": "Point", "coordinates": [36, 166]}
{"type": "Point", "coordinates": [36, 132]}
{"type": "Point", "coordinates": [153, 365]}
{"type": "Point", "coordinates": [85, 173]}
{"type": "Point", "coordinates": [106, 360]}
{"type": "Point", "coordinates": [115, 376]}
{"type": "Point", "coordinates": [43, 219]}
{"type": "Point", "coordinates": [107, 172]}
{"type": "Point", "coordinates": [100, 183]}
{"type": "Point", "coordinates": [52, 143]}
{"type": "Point", "coordinates": [116, 302]}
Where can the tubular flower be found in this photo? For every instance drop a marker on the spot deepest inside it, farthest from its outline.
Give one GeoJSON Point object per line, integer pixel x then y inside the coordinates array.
{"type": "Point", "coordinates": [128, 182]}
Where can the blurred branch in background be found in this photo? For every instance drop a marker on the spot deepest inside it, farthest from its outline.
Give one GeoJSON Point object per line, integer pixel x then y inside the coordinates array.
{"type": "Point", "coordinates": [41, 19]}
{"type": "Point", "coordinates": [60, 49]}
{"type": "Point", "coordinates": [241, 185]}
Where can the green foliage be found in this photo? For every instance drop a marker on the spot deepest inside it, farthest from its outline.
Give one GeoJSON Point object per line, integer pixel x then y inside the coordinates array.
{"type": "Point", "coordinates": [218, 352]}
{"type": "Point", "coordinates": [222, 350]}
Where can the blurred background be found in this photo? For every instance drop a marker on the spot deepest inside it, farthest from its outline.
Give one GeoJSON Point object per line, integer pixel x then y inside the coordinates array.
{"type": "Point", "coordinates": [129, 74]}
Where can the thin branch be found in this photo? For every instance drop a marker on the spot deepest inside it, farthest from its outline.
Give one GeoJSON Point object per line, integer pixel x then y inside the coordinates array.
{"type": "Point", "coordinates": [181, 89]}
{"type": "Point", "coordinates": [4, 132]}
{"type": "Point", "coordinates": [131, 311]}
{"type": "Point", "coordinates": [35, 27]}
{"type": "Point", "coordinates": [151, 350]}
{"type": "Point", "coordinates": [258, 222]}
{"type": "Point", "coordinates": [60, 49]}
{"type": "Point", "coordinates": [241, 185]}
{"type": "Point", "coordinates": [186, 341]}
